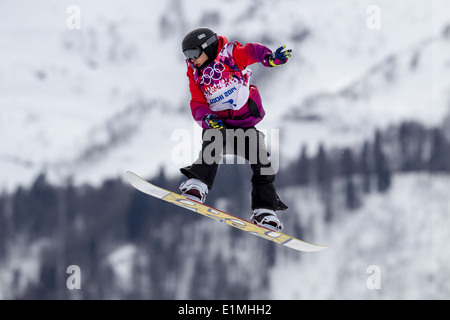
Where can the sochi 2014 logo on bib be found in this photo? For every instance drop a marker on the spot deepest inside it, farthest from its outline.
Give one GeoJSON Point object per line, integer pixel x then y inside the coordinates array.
{"type": "Point", "coordinates": [212, 73]}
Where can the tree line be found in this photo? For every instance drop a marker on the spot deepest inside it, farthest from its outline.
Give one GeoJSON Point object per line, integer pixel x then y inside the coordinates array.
{"type": "Point", "coordinates": [79, 223]}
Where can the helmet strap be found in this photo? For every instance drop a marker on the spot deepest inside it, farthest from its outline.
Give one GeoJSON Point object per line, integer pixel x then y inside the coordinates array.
{"type": "Point", "coordinates": [209, 41]}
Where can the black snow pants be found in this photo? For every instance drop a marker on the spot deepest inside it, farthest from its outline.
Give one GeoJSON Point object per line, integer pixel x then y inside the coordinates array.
{"type": "Point", "coordinates": [244, 142]}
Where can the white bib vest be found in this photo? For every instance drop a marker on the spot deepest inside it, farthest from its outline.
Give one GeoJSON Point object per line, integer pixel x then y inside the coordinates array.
{"type": "Point", "coordinates": [224, 86]}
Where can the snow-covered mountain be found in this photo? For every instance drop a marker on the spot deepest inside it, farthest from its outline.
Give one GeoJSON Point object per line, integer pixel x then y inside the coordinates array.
{"type": "Point", "coordinates": [402, 232]}
{"type": "Point", "coordinates": [133, 252]}
{"type": "Point", "coordinates": [410, 85]}
{"type": "Point", "coordinates": [84, 105]}
{"type": "Point", "coordinates": [92, 102]}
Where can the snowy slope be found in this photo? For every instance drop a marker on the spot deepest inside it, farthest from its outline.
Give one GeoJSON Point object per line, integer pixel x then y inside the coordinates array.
{"type": "Point", "coordinates": [112, 96]}
{"type": "Point", "coordinates": [403, 232]}
{"type": "Point", "coordinates": [410, 85]}
{"type": "Point", "coordinates": [93, 102]}
{"type": "Point", "coordinates": [63, 86]}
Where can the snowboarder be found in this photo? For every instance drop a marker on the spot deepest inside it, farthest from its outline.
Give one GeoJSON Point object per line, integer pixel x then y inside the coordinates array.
{"type": "Point", "coordinates": [223, 100]}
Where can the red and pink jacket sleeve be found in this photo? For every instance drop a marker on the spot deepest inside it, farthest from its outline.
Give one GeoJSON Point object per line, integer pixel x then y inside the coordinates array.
{"type": "Point", "coordinates": [243, 55]}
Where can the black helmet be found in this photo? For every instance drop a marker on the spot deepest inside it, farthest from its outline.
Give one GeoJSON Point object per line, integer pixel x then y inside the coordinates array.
{"type": "Point", "coordinates": [197, 41]}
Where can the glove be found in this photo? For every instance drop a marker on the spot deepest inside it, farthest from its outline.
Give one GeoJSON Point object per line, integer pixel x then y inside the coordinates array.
{"type": "Point", "coordinates": [279, 57]}
{"type": "Point", "coordinates": [213, 122]}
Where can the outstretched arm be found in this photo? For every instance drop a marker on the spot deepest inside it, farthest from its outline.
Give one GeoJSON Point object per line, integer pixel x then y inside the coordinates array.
{"type": "Point", "coordinates": [255, 52]}
{"type": "Point", "coordinates": [250, 53]}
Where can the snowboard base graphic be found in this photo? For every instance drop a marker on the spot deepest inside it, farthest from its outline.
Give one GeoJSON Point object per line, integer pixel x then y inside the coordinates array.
{"type": "Point", "coordinates": [210, 212]}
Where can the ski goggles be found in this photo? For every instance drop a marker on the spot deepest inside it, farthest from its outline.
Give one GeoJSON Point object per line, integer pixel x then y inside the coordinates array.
{"type": "Point", "coordinates": [195, 52]}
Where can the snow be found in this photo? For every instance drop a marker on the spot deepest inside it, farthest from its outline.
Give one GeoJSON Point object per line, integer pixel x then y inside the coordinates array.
{"type": "Point", "coordinates": [63, 86]}
{"type": "Point", "coordinates": [21, 267]}
{"type": "Point", "coordinates": [122, 261]}
{"type": "Point", "coordinates": [403, 232]}
{"type": "Point", "coordinates": [94, 102]}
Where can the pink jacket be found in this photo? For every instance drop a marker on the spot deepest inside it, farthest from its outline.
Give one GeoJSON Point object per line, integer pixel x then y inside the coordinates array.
{"type": "Point", "coordinates": [222, 88]}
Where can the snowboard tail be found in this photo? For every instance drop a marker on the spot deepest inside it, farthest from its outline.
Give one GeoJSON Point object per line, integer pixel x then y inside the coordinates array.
{"type": "Point", "coordinates": [210, 212]}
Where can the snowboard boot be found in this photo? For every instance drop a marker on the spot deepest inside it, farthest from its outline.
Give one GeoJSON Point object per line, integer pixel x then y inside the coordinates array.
{"type": "Point", "coordinates": [194, 189]}
{"type": "Point", "coordinates": [266, 218]}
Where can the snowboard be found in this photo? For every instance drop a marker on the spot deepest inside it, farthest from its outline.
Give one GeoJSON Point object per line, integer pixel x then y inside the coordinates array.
{"type": "Point", "coordinates": [218, 215]}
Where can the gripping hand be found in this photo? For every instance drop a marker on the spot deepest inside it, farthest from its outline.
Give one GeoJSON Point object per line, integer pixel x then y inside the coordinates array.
{"type": "Point", "coordinates": [279, 57]}
{"type": "Point", "coordinates": [213, 122]}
